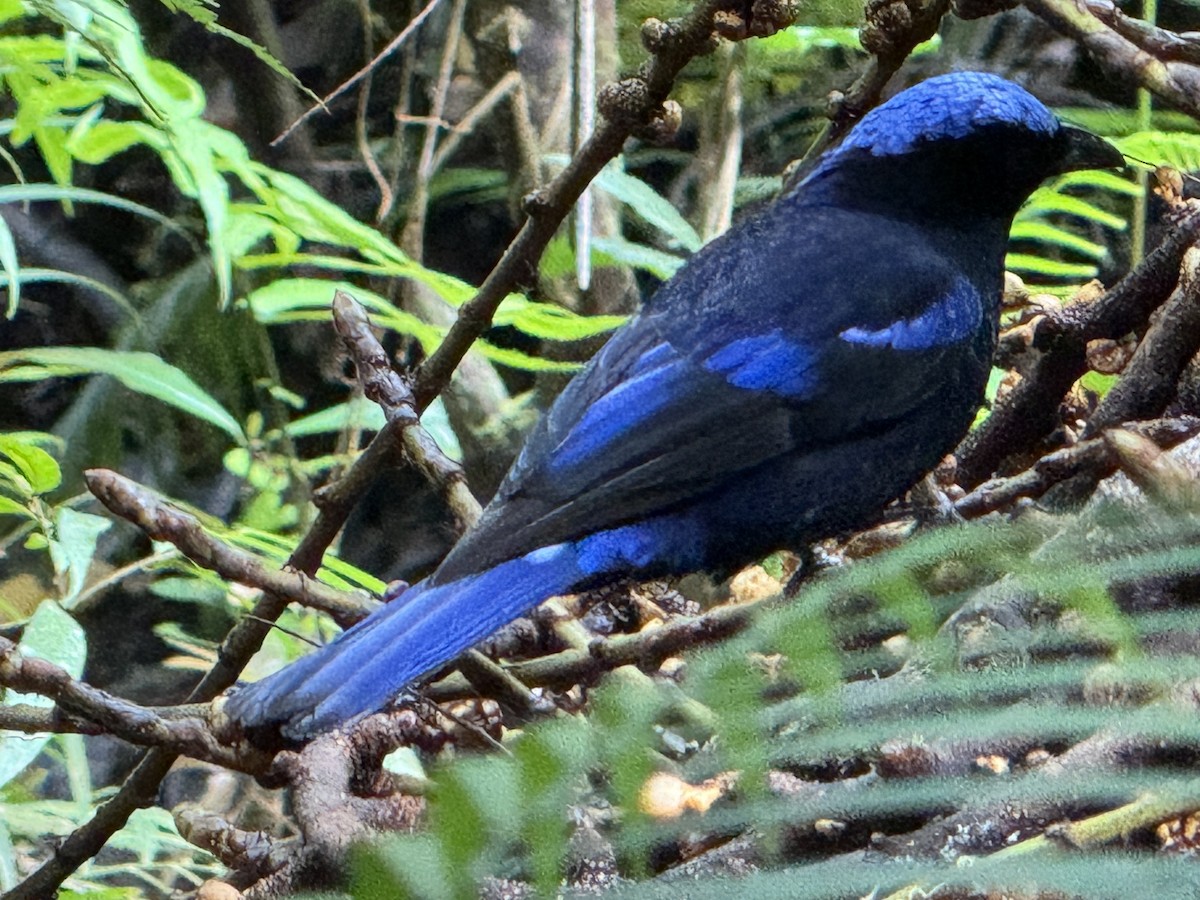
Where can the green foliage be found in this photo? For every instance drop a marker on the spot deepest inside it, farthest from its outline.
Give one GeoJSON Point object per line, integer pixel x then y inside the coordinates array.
{"type": "Point", "coordinates": [644, 202]}
{"type": "Point", "coordinates": [1052, 219]}
{"type": "Point", "coordinates": [156, 854]}
{"type": "Point", "coordinates": [52, 635]}
{"type": "Point", "coordinates": [1178, 149]}
{"type": "Point", "coordinates": [508, 815]}
{"type": "Point", "coordinates": [144, 373]}
{"type": "Point", "coordinates": [151, 858]}
{"type": "Point", "coordinates": [205, 13]}
{"type": "Point", "coordinates": [62, 92]}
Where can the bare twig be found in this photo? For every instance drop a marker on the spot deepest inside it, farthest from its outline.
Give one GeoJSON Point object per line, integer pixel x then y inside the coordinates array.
{"type": "Point", "coordinates": [29, 719]}
{"type": "Point", "coordinates": [133, 723]}
{"type": "Point", "coordinates": [1148, 381]}
{"type": "Point", "coordinates": [252, 854]}
{"type": "Point", "coordinates": [330, 812]}
{"type": "Point", "coordinates": [362, 73]}
{"type": "Point", "coordinates": [386, 198]}
{"type": "Point", "coordinates": [1166, 45]}
{"type": "Point", "coordinates": [496, 94]}
{"type": "Point", "coordinates": [165, 522]}
{"type": "Point", "coordinates": [384, 386]}
{"type": "Point", "coordinates": [646, 649]}
{"type": "Point", "coordinates": [413, 240]}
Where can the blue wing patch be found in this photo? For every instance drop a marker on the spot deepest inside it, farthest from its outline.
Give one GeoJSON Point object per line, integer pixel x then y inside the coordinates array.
{"type": "Point", "coordinates": [677, 542]}
{"type": "Point", "coordinates": [651, 386]}
{"type": "Point", "coordinates": [766, 362]}
{"type": "Point", "coordinates": [952, 319]}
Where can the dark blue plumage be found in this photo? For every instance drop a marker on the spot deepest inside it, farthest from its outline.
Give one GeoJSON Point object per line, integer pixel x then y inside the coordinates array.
{"type": "Point", "coordinates": [796, 375]}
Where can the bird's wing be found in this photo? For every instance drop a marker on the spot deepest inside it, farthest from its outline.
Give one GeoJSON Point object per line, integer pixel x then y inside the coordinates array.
{"type": "Point", "coordinates": [649, 426]}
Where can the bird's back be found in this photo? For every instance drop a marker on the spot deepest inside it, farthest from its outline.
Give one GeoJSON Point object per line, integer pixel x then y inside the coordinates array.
{"type": "Point", "coordinates": [760, 442]}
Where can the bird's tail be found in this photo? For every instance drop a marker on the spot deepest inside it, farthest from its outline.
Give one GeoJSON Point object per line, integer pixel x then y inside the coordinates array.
{"type": "Point", "coordinates": [425, 627]}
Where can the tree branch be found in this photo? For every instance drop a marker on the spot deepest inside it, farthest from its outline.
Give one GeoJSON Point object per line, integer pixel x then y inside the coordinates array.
{"type": "Point", "coordinates": [1030, 411]}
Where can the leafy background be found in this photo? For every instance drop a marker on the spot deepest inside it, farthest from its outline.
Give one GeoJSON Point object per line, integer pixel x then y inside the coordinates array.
{"type": "Point", "coordinates": [168, 277]}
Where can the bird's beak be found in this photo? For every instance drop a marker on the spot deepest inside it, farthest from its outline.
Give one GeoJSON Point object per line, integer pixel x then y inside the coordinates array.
{"type": "Point", "coordinates": [1083, 150]}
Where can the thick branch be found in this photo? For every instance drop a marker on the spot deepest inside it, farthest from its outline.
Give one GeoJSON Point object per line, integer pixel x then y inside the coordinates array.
{"type": "Point", "coordinates": [1030, 411]}
{"type": "Point", "coordinates": [1094, 458]}
{"type": "Point", "coordinates": [1121, 57]}
{"type": "Point", "coordinates": [1148, 381]}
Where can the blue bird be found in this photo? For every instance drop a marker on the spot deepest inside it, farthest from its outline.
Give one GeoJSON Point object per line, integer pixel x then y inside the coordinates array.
{"type": "Point", "coordinates": [796, 375]}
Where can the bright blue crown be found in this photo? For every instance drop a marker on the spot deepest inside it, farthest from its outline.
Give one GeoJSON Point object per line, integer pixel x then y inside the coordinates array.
{"type": "Point", "coordinates": [948, 106]}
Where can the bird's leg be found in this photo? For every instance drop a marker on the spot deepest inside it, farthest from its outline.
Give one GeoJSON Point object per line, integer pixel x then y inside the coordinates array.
{"type": "Point", "coordinates": [932, 504]}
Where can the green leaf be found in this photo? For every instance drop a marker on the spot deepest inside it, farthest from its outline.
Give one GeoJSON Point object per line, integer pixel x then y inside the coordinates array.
{"type": "Point", "coordinates": [803, 38]}
{"type": "Point", "coordinates": [308, 299]}
{"type": "Point", "coordinates": [11, 9]}
{"type": "Point", "coordinates": [1045, 233]}
{"type": "Point", "coordinates": [552, 323]}
{"type": "Point", "coordinates": [636, 256]}
{"type": "Point", "coordinates": [519, 360]}
{"type": "Point", "coordinates": [559, 259]}
{"type": "Point", "coordinates": [437, 422]}
{"type": "Point", "coordinates": [149, 833]}
{"type": "Point", "coordinates": [10, 507]}
{"type": "Point", "coordinates": [755, 189]}
{"type": "Point", "coordinates": [31, 193]}
{"type": "Point", "coordinates": [9, 875]}
{"type": "Point", "coordinates": [1046, 200]}
{"type": "Point", "coordinates": [193, 589]}
{"type": "Point", "coordinates": [52, 142]}
{"type": "Point", "coordinates": [1037, 265]}
{"type": "Point", "coordinates": [12, 269]}
{"type": "Point", "coordinates": [193, 147]}
{"type": "Point", "coordinates": [479, 185]}
{"type": "Point", "coordinates": [73, 547]}
{"type": "Point", "coordinates": [334, 571]}
{"type": "Point", "coordinates": [358, 413]}
{"type": "Point", "coordinates": [310, 261]}
{"type": "Point", "coordinates": [995, 378]}
{"type": "Point", "coordinates": [1098, 179]}
{"type": "Point", "coordinates": [1115, 123]}
{"type": "Point", "coordinates": [37, 467]}
{"type": "Point", "coordinates": [208, 19]}
{"type": "Point", "coordinates": [1177, 149]}
{"type": "Point", "coordinates": [37, 275]}
{"type": "Point", "coordinates": [273, 302]}
{"type": "Point", "coordinates": [98, 142]}
{"type": "Point", "coordinates": [142, 372]}
{"type": "Point", "coordinates": [648, 204]}
{"type": "Point", "coordinates": [1097, 382]}
{"type": "Point", "coordinates": [399, 867]}
{"type": "Point", "coordinates": [52, 635]}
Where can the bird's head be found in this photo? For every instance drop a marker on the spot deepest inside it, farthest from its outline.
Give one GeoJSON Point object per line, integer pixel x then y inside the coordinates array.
{"type": "Point", "coordinates": [964, 145]}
